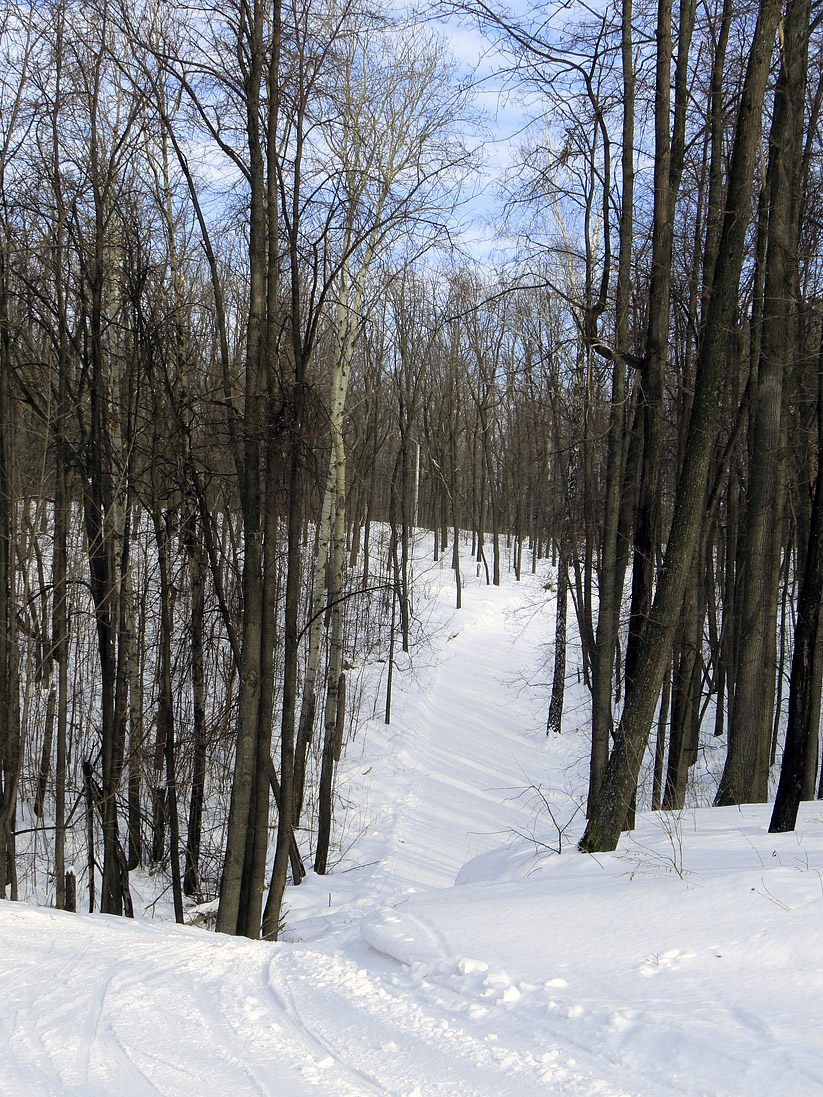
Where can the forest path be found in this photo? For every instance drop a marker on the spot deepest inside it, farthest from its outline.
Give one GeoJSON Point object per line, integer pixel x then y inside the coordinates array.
{"type": "Point", "coordinates": [676, 967]}
{"type": "Point", "coordinates": [157, 1009]}
{"type": "Point", "coordinates": [471, 738]}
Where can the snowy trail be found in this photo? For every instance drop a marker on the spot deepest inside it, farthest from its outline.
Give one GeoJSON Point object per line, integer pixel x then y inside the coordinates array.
{"type": "Point", "coordinates": [291, 1019]}
{"type": "Point", "coordinates": [469, 738]}
{"type": "Point", "coordinates": [170, 1013]}
{"type": "Point", "coordinates": [300, 1018]}
{"type": "Point", "coordinates": [677, 967]}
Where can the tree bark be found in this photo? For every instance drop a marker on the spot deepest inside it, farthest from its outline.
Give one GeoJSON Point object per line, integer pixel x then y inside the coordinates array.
{"type": "Point", "coordinates": [620, 778]}
{"type": "Point", "coordinates": [745, 776]}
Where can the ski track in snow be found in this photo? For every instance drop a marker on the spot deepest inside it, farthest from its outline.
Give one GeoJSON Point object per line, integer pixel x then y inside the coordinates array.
{"type": "Point", "coordinates": [537, 976]}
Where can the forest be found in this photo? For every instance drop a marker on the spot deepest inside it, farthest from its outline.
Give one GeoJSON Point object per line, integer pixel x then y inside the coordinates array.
{"type": "Point", "coordinates": [246, 351]}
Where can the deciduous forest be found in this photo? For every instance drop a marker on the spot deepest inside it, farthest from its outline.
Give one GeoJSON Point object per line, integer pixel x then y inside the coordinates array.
{"type": "Point", "coordinates": [246, 351]}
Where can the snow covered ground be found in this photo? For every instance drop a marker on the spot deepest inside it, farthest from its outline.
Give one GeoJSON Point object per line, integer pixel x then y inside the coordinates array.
{"type": "Point", "coordinates": [462, 946]}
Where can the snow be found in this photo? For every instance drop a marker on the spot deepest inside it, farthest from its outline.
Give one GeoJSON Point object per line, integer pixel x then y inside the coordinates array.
{"type": "Point", "coordinates": [462, 945]}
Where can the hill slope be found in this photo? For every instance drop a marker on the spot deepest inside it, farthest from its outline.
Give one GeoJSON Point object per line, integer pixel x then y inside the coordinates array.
{"type": "Point", "coordinates": [685, 963]}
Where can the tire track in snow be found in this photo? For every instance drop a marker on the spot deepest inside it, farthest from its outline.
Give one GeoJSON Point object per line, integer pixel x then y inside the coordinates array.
{"type": "Point", "coordinates": [371, 1019]}
{"type": "Point", "coordinates": [282, 993]}
{"type": "Point", "coordinates": [91, 1024]}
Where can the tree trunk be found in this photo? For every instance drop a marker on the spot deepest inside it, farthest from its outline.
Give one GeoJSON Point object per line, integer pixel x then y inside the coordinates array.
{"type": "Point", "coordinates": [230, 917]}
{"type": "Point", "coordinates": [620, 778]}
{"type": "Point", "coordinates": [610, 575]}
{"type": "Point", "coordinates": [801, 697]}
{"type": "Point", "coordinates": [745, 776]}
{"type": "Point", "coordinates": [191, 877]}
{"type": "Point", "coordinates": [555, 720]}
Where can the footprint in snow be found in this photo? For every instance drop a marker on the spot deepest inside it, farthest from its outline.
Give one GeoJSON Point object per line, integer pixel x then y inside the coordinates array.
{"type": "Point", "coordinates": [671, 958]}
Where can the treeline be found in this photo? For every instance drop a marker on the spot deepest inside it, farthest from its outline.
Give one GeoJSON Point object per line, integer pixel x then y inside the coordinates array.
{"type": "Point", "coordinates": [234, 376]}
{"type": "Point", "coordinates": [240, 365]}
{"type": "Point", "coordinates": [674, 192]}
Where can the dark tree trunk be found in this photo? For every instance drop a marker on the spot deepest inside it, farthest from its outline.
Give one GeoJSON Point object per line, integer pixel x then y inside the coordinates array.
{"type": "Point", "coordinates": [191, 877]}
{"type": "Point", "coordinates": [745, 777]}
{"type": "Point", "coordinates": [801, 696]}
{"type": "Point", "coordinates": [555, 719]}
{"type": "Point", "coordinates": [620, 778]}
{"type": "Point", "coordinates": [232, 910]}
